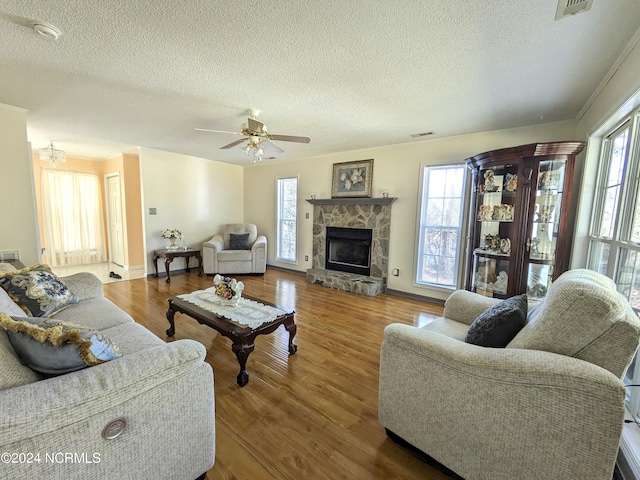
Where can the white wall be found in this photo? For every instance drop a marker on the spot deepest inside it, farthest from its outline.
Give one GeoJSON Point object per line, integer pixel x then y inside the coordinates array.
{"type": "Point", "coordinates": [18, 214]}
{"type": "Point", "coordinates": [396, 169]}
{"type": "Point", "coordinates": [194, 195]}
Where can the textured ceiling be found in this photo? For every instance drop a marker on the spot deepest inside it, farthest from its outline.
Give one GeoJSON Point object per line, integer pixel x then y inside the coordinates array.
{"type": "Point", "coordinates": [349, 74]}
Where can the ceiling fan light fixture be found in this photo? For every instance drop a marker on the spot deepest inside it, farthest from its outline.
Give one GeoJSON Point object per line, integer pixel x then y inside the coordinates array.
{"type": "Point", "coordinates": [47, 30]}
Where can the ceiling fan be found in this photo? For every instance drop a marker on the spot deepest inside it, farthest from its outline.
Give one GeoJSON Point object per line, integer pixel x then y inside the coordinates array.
{"type": "Point", "coordinates": [257, 137]}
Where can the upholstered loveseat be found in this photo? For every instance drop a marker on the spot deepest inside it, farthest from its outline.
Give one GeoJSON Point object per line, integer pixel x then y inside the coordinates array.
{"type": "Point", "coordinates": [548, 406]}
{"type": "Point", "coordinates": [238, 249]}
{"type": "Point", "coordinates": [158, 395]}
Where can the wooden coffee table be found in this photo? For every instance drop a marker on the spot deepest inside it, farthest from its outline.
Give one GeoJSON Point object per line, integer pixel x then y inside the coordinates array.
{"type": "Point", "coordinates": [242, 336]}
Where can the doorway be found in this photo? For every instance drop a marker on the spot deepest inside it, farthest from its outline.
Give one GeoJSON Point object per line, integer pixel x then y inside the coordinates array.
{"type": "Point", "coordinates": [115, 222]}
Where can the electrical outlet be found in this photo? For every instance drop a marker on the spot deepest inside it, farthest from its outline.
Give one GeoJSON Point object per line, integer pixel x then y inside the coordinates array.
{"type": "Point", "coordinates": [306, 215]}
{"type": "Point", "coordinates": [396, 272]}
{"type": "Point", "coordinates": [153, 211]}
{"type": "Point", "coordinates": [306, 258]}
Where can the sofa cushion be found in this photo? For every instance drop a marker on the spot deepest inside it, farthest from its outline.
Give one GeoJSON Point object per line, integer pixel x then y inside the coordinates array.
{"type": "Point", "coordinates": [37, 290]}
{"type": "Point", "coordinates": [13, 373]}
{"type": "Point", "coordinates": [132, 337]}
{"type": "Point", "coordinates": [497, 325]}
{"type": "Point", "coordinates": [98, 313]}
{"type": "Point", "coordinates": [583, 316]}
{"type": "Point", "coordinates": [447, 327]}
{"type": "Point", "coordinates": [8, 306]}
{"type": "Point", "coordinates": [234, 256]}
{"type": "Point", "coordinates": [53, 347]}
{"type": "Point", "coordinates": [238, 241]}
{"type": "Point", "coordinates": [239, 228]}
{"type": "Point", "coordinates": [7, 267]}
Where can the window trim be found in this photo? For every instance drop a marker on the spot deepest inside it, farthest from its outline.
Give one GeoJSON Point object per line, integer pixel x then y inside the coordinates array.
{"type": "Point", "coordinates": [278, 258]}
{"type": "Point", "coordinates": [463, 229]}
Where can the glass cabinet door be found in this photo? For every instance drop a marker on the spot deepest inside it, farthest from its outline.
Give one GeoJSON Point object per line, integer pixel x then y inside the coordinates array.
{"type": "Point", "coordinates": [495, 230]}
{"type": "Point", "coordinates": [542, 243]}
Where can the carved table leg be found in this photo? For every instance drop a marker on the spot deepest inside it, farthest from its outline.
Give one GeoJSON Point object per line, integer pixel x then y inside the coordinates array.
{"type": "Point", "coordinates": [167, 262]}
{"type": "Point", "coordinates": [155, 264]}
{"type": "Point", "coordinates": [200, 269]}
{"type": "Point", "coordinates": [291, 327]}
{"type": "Point", "coordinates": [242, 351]}
{"type": "Point", "coordinates": [172, 329]}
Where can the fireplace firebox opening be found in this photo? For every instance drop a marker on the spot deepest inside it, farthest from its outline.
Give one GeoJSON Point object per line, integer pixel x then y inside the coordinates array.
{"type": "Point", "coordinates": [348, 250]}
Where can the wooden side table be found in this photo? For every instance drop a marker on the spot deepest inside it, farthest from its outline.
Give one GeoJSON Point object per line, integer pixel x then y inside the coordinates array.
{"type": "Point", "coordinates": [168, 255]}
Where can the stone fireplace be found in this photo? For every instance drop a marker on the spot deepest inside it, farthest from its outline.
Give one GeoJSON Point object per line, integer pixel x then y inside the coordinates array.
{"type": "Point", "coordinates": [351, 217]}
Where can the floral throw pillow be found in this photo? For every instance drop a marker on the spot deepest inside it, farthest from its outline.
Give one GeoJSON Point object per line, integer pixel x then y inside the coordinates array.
{"type": "Point", "coordinates": [38, 291]}
{"type": "Point", "coordinates": [54, 347]}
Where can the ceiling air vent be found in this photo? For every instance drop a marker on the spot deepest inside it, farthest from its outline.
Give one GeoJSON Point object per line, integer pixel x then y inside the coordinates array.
{"type": "Point", "coordinates": [571, 7]}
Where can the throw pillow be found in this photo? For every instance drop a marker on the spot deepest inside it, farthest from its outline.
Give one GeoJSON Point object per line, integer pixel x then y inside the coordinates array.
{"type": "Point", "coordinates": [54, 347]}
{"type": "Point", "coordinates": [496, 326]}
{"type": "Point", "coordinates": [38, 291]}
{"type": "Point", "coordinates": [238, 241]}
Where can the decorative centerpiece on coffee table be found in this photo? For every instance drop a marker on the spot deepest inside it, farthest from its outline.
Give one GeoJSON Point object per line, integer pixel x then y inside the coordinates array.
{"type": "Point", "coordinates": [173, 235]}
{"type": "Point", "coordinates": [228, 290]}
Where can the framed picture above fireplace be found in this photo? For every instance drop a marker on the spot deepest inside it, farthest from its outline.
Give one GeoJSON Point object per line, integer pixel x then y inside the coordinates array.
{"type": "Point", "coordinates": [352, 179]}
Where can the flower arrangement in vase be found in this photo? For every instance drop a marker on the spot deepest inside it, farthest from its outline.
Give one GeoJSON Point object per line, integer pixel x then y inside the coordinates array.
{"type": "Point", "coordinates": [173, 235]}
{"type": "Point", "coordinates": [228, 290]}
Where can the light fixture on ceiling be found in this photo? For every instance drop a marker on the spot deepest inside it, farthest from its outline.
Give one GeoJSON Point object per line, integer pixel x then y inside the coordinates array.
{"type": "Point", "coordinates": [254, 148]}
{"type": "Point", "coordinates": [52, 155]}
{"type": "Point", "coordinates": [47, 30]}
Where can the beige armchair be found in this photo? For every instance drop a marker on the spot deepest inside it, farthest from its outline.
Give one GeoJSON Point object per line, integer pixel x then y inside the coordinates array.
{"type": "Point", "coordinates": [549, 405]}
{"type": "Point", "coordinates": [238, 249]}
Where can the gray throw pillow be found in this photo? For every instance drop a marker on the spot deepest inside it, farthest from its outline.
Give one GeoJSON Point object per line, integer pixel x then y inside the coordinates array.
{"type": "Point", "coordinates": [238, 241]}
{"type": "Point", "coordinates": [496, 326]}
{"type": "Point", "coordinates": [54, 347]}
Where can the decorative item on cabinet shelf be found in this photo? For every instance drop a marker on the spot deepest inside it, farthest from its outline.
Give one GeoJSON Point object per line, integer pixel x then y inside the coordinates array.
{"type": "Point", "coordinates": [544, 213]}
{"type": "Point", "coordinates": [496, 213]}
{"type": "Point", "coordinates": [492, 182]}
{"type": "Point", "coordinates": [501, 283]}
{"type": "Point", "coordinates": [496, 245]}
{"type": "Point", "coordinates": [511, 182]}
{"type": "Point", "coordinates": [503, 212]}
{"type": "Point", "coordinates": [549, 180]}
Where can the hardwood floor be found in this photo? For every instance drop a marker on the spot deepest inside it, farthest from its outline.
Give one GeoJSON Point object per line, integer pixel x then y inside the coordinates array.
{"type": "Point", "coordinates": [312, 415]}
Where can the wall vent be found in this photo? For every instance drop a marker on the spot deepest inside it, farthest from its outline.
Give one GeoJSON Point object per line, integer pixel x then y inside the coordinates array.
{"type": "Point", "coordinates": [571, 7]}
{"type": "Point", "coordinates": [9, 255]}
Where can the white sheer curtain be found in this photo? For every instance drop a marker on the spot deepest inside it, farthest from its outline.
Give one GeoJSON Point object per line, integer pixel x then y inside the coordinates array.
{"type": "Point", "coordinates": [73, 217]}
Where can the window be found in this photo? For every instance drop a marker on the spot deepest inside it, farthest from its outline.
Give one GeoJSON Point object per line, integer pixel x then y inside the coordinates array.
{"type": "Point", "coordinates": [614, 235]}
{"type": "Point", "coordinates": [287, 219]}
{"type": "Point", "coordinates": [440, 232]}
{"type": "Point", "coordinates": [72, 217]}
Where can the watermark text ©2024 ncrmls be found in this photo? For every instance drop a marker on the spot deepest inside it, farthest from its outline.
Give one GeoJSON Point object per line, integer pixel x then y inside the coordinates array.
{"type": "Point", "coordinates": [49, 457]}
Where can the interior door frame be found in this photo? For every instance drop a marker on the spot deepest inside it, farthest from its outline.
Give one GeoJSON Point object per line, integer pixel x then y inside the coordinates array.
{"type": "Point", "coordinates": [107, 177]}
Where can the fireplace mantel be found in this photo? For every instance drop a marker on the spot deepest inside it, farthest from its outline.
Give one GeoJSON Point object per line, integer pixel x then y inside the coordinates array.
{"type": "Point", "coordinates": [352, 201]}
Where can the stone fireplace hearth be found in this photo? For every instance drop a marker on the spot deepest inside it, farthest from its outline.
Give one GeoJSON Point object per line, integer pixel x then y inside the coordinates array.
{"type": "Point", "coordinates": [364, 213]}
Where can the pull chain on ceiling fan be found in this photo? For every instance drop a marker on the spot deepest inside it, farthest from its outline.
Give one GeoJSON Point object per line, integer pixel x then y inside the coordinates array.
{"type": "Point", "coordinates": [257, 137]}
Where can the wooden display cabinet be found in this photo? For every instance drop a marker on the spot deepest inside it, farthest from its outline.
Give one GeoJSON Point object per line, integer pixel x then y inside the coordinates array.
{"type": "Point", "coordinates": [520, 230]}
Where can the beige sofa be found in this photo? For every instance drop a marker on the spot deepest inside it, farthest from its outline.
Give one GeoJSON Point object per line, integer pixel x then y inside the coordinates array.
{"type": "Point", "coordinates": [54, 426]}
{"type": "Point", "coordinates": [220, 256]}
{"type": "Point", "coordinates": [549, 406]}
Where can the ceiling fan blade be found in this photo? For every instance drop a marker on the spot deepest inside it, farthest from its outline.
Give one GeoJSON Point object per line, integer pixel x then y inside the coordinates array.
{"type": "Point", "coordinates": [271, 147]}
{"type": "Point", "coordinates": [290, 138]}
{"type": "Point", "coordinates": [216, 131]}
{"type": "Point", "coordinates": [233, 144]}
{"type": "Point", "coordinates": [255, 125]}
